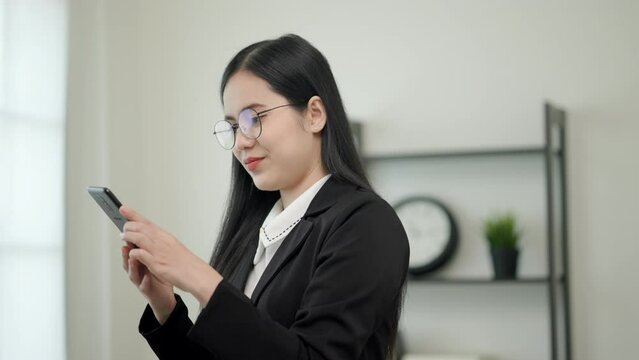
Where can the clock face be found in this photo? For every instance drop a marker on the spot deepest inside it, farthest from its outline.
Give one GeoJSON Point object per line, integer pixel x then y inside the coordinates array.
{"type": "Point", "coordinates": [431, 233]}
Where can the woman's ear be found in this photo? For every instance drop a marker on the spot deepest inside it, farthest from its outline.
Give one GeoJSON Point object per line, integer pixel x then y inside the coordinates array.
{"type": "Point", "coordinates": [316, 114]}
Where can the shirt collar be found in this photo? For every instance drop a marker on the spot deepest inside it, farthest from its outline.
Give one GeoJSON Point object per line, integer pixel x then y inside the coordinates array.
{"type": "Point", "coordinates": [280, 222]}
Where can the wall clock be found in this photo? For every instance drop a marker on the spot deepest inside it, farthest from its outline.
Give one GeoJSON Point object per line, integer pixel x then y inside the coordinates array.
{"type": "Point", "coordinates": [431, 230]}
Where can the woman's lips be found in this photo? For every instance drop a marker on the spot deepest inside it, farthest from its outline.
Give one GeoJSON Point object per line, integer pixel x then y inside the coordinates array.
{"type": "Point", "coordinates": [252, 163]}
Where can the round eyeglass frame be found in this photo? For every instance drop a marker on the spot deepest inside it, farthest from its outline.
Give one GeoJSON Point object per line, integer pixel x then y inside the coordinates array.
{"type": "Point", "coordinates": [234, 126]}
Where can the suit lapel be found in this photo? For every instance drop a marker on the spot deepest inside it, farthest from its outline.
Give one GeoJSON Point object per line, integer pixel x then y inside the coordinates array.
{"type": "Point", "coordinates": [288, 248]}
{"type": "Point", "coordinates": [325, 198]}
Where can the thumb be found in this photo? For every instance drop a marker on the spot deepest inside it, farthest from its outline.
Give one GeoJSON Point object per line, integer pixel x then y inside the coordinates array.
{"type": "Point", "coordinates": [132, 215]}
{"type": "Point", "coordinates": [141, 255]}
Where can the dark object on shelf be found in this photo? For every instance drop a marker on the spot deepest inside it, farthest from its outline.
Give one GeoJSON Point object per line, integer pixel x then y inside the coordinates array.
{"type": "Point", "coordinates": [504, 261]}
{"type": "Point", "coordinates": [501, 232]}
{"type": "Point", "coordinates": [431, 230]}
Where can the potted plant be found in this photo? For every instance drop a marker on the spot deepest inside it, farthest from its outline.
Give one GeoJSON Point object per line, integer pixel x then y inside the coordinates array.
{"type": "Point", "coordinates": [501, 232]}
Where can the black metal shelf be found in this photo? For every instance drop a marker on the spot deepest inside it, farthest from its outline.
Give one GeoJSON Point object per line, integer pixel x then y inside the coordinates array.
{"type": "Point", "coordinates": [541, 280]}
{"type": "Point", "coordinates": [540, 151]}
{"type": "Point", "coordinates": [553, 151]}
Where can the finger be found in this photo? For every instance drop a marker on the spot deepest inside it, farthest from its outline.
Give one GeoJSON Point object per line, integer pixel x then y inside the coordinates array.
{"type": "Point", "coordinates": [125, 257]}
{"type": "Point", "coordinates": [136, 240]}
{"type": "Point", "coordinates": [134, 271]}
{"type": "Point", "coordinates": [129, 226]}
{"type": "Point", "coordinates": [142, 256]}
{"type": "Point", "coordinates": [133, 226]}
{"type": "Point", "coordinates": [133, 215]}
{"type": "Point", "coordinates": [125, 251]}
{"type": "Point", "coordinates": [138, 227]}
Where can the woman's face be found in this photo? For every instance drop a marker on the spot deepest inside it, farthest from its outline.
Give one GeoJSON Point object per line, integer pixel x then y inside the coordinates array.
{"type": "Point", "coordinates": [287, 153]}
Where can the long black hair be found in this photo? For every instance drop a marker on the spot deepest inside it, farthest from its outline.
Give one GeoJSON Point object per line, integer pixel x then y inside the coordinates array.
{"type": "Point", "coordinates": [296, 70]}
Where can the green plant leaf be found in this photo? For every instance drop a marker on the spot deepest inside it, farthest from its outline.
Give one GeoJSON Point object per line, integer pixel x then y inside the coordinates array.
{"type": "Point", "coordinates": [501, 230]}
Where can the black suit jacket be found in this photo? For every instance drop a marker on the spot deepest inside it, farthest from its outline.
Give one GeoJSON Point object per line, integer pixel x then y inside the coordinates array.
{"type": "Point", "coordinates": [330, 291]}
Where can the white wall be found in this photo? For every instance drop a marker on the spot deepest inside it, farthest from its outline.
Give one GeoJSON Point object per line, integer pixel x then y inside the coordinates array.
{"type": "Point", "coordinates": [143, 82]}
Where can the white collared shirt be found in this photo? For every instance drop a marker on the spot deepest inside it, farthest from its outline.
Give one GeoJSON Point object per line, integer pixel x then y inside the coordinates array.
{"type": "Point", "coordinates": [276, 226]}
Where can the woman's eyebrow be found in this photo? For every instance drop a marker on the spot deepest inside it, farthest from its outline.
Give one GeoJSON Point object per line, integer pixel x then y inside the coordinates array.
{"type": "Point", "coordinates": [250, 106]}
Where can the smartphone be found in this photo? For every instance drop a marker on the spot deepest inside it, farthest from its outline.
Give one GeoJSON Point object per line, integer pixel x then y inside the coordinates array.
{"type": "Point", "coordinates": [109, 203]}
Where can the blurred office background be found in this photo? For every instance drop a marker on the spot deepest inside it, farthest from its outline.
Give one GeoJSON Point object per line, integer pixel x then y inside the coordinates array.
{"type": "Point", "coordinates": [124, 94]}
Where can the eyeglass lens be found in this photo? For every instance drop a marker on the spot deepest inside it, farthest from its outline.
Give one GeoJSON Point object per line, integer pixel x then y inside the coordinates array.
{"type": "Point", "coordinates": [225, 134]}
{"type": "Point", "coordinates": [249, 124]}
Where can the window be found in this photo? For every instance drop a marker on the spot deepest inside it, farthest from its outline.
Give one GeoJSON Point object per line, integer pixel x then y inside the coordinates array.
{"type": "Point", "coordinates": [32, 98]}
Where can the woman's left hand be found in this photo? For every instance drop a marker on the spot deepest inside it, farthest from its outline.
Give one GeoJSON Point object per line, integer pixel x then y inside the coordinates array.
{"type": "Point", "coordinates": [167, 258]}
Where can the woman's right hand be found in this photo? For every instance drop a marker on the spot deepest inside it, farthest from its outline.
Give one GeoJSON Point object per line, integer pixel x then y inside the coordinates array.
{"type": "Point", "coordinates": [159, 294]}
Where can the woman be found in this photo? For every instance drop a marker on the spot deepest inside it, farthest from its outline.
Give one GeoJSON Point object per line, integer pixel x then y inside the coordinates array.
{"type": "Point", "coordinates": [310, 263]}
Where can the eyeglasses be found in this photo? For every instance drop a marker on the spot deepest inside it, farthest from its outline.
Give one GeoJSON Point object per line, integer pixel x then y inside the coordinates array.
{"type": "Point", "coordinates": [248, 121]}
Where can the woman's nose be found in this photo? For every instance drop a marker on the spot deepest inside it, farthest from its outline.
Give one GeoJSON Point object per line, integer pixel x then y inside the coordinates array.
{"type": "Point", "coordinates": [242, 141]}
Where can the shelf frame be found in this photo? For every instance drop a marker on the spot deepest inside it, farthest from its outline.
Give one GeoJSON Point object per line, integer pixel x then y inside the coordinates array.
{"type": "Point", "coordinates": [514, 151]}
{"type": "Point", "coordinates": [558, 282]}
{"type": "Point", "coordinates": [541, 280]}
{"type": "Point", "coordinates": [555, 121]}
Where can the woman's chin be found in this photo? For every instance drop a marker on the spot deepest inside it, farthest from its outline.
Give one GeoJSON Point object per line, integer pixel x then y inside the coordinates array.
{"type": "Point", "coordinates": [264, 185]}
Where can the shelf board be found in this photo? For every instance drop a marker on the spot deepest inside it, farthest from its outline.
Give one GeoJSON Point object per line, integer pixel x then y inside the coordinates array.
{"type": "Point", "coordinates": [478, 281]}
{"type": "Point", "coordinates": [459, 154]}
